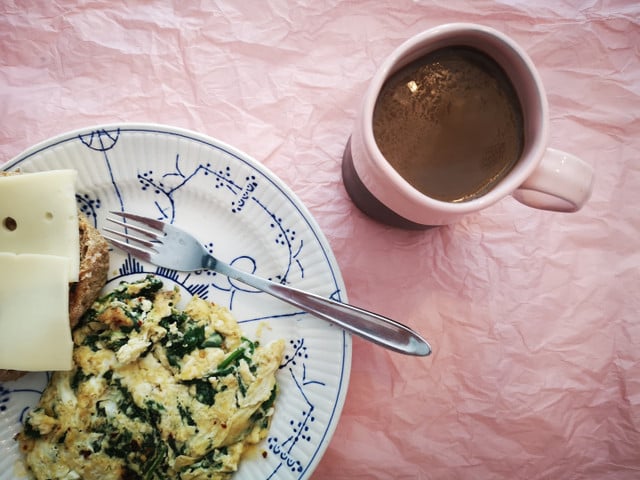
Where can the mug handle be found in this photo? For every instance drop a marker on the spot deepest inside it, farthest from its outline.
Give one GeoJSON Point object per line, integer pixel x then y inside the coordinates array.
{"type": "Point", "coordinates": [561, 183]}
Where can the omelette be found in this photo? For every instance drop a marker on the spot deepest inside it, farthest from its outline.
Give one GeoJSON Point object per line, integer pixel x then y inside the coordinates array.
{"type": "Point", "coordinates": [156, 392]}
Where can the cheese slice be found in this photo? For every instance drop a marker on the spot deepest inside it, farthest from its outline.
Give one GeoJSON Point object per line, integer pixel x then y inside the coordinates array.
{"type": "Point", "coordinates": [38, 214]}
{"type": "Point", "coordinates": [34, 313]}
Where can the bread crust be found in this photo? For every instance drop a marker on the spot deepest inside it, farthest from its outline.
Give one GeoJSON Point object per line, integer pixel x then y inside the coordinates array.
{"type": "Point", "coordinates": [94, 268]}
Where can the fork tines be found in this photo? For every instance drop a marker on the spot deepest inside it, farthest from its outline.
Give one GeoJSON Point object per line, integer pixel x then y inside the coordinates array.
{"type": "Point", "coordinates": [131, 222]}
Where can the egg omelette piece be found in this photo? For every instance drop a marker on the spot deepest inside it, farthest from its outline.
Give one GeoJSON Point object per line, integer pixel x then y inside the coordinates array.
{"type": "Point", "coordinates": [155, 392]}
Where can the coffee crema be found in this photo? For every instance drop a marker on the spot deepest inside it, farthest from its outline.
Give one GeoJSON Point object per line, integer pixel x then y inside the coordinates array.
{"type": "Point", "coordinates": [450, 123]}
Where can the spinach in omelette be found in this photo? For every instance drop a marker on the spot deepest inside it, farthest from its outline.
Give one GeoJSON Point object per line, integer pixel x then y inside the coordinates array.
{"type": "Point", "coordinates": [155, 392]}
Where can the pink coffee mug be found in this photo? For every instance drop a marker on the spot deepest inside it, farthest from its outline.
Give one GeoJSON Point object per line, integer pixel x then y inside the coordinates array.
{"type": "Point", "coordinates": [543, 177]}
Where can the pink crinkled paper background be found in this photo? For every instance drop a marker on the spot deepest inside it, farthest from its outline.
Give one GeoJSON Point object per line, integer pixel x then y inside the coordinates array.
{"type": "Point", "coordinates": [533, 316]}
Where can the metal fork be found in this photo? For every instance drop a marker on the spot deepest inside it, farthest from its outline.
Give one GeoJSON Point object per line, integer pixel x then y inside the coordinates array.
{"type": "Point", "coordinates": [168, 246]}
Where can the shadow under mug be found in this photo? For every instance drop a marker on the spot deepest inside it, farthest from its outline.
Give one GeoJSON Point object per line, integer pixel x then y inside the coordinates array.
{"type": "Point", "coordinates": [542, 178]}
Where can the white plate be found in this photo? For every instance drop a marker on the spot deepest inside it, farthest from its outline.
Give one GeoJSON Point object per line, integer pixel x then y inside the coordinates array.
{"type": "Point", "coordinates": [254, 222]}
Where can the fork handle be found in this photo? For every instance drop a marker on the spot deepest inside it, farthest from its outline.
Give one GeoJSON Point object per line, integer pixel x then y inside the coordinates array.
{"type": "Point", "coordinates": [371, 326]}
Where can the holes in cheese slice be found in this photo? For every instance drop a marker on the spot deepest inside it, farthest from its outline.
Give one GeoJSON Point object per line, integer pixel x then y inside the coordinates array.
{"type": "Point", "coordinates": [9, 223]}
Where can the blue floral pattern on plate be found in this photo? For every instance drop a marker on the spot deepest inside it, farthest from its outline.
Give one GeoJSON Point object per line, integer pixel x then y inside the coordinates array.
{"type": "Point", "coordinates": [243, 214]}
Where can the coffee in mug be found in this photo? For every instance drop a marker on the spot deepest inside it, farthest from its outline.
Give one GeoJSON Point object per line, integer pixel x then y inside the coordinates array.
{"type": "Point", "coordinates": [453, 121]}
{"type": "Point", "coordinates": [450, 123]}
